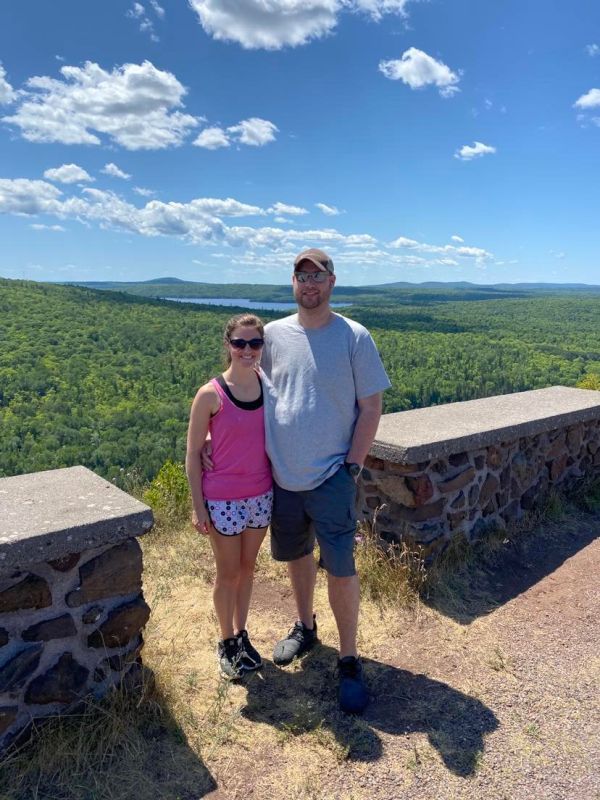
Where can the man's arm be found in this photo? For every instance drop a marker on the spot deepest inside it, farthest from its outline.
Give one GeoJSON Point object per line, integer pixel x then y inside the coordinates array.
{"type": "Point", "coordinates": [369, 414]}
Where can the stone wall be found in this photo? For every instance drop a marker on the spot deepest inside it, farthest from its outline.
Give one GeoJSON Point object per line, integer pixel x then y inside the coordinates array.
{"type": "Point", "coordinates": [466, 468]}
{"type": "Point", "coordinates": [70, 624]}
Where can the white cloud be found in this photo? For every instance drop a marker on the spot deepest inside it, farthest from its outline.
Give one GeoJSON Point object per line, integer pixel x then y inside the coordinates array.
{"type": "Point", "coordinates": [158, 10]}
{"type": "Point", "coordinates": [144, 192]}
{"type": "Point", "coordinates": [68, 173]}
{"type": "Point", "coordinates": [417, 69]}
{"type": "Point", "coordinates": [589, 100]}
{"type": "Point", "coordinates": [402, 241]}
{"type": "Point", "coordinates": [456, 238]}
{"type": "Point", "coordinates": [267, 24]}
{"type": "Point", "coordinates": [114, 171]}
{"type": "Point", "coordinates": [377, 8]}
{"type": "Point", "coordinates": [448, 262]}
{"type": "Point", "coordinates": [22, 196]}
{"type": "Point", "coordinates": [592, 50]}
{"type": "Point", "coordinates": [448, 250]}
{"type": "Point", "coordinates": [329, 211]}
{"type": "Point", "coordinates": [136, 11]}
{"type": "Point", "coordinates": [7, 93]}
{"type": "Point", "coordinates": [205, 221]}
{"type": "Point", "coordinates": [37, 226]}
{"type": "Point", "coordinates": [273, 24]}
{"type": "Point", "coordinates": [254, 131]}
{"type": "Point", "coordinates": [476, 150]}
{"type": "Point", "coordinates": [133, 106]}
{"type": "Point", "coordinates": [212, 138]}
{"type": "Point", "coordinates": [283, 208]}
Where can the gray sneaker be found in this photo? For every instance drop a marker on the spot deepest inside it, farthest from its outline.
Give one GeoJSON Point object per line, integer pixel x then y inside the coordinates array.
{"type": "Point", "coordinates": [229, 656]}
{"type": "Point", "coordinates": [299, 640]}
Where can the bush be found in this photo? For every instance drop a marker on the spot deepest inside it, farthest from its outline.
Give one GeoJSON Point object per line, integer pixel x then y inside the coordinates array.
{"type": "Point", "coordinates": [590, 381]}
{"type": "Point", "coordinates": [169, 493]}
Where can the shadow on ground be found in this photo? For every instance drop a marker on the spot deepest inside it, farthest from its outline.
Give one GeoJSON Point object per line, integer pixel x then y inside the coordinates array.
{"type": "Point", "coordinates": [489, 578]}
{"type": "Point", "coordinates": [302, 699]}
{"type": "Point", "coordinates": [127, 746]}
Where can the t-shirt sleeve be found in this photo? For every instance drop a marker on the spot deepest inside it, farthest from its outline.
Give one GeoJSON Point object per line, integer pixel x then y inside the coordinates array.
{"type": "Point", "coordinates": [265, 358]}
{"type": "Point", "coordinates": [370, 376]}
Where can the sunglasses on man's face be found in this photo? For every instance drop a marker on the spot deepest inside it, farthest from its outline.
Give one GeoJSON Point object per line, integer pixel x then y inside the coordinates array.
{"type": "Point", "coordinates": [240, 344]}
{"type": "Point", "coordinates": [317, 277]}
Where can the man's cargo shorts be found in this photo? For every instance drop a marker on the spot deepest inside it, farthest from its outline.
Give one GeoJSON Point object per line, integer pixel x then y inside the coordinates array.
{"type": "Point", "coordinates": [327, 511]}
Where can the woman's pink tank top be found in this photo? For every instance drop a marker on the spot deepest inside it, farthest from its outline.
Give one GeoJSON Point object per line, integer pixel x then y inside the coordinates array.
{"type": "Point", "coordinates": [241, 467]}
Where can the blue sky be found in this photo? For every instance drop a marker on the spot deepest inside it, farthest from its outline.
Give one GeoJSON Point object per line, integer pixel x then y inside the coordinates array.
{"type": "Point", "coordinates": [212, 140]}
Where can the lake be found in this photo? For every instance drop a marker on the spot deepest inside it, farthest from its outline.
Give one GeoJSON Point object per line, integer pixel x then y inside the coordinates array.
{"type": "Point", "coordinates": [242, 302]}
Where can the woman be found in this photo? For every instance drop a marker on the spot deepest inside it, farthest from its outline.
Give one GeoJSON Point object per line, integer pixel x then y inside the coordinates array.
{"type": "Point", "coordinates": [232, 503]}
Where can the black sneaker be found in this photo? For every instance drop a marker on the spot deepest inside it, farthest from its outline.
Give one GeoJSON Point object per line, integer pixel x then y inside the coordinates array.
{"type": "Point", "coordinates": [353, 695]}
{"type": "Point", "coordinates": [250, 657]}
{"type": "Point", "coordinates": [298, 641]}
{"type": "Point", "coordinates": [229, 657]}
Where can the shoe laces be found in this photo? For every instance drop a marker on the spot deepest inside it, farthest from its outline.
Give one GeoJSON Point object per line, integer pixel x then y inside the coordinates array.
{"type": "Point", "coordinates": [231, 648]}
{"type": "Point", "coordinates": [298, 632]}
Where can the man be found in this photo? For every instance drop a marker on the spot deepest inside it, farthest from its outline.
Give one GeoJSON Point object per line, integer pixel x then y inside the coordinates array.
{"type": "Point", "coordinates": [323, 407]}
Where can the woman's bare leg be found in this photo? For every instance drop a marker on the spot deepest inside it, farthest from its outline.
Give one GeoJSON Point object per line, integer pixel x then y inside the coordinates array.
{"type": "Point", "coordinates": [251, 540]}
{"type": "Point", "coordinates": [227, 551]}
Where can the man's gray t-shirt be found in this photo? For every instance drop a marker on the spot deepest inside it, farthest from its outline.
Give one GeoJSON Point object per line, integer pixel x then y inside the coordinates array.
{"type": "Point", "coordinates": [315, 376]}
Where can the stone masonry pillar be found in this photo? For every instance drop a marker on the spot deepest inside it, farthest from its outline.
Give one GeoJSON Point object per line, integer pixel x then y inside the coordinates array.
{"type": "Point", "coordinates": [71, 603]}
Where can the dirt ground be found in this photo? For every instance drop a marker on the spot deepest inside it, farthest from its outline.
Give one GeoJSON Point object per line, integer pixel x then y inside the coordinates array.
{"type": "Point", "coordinates": [487, 690]}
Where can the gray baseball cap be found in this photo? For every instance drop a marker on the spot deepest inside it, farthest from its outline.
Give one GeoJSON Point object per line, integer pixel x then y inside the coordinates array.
{"type": "Point", "coordinates": [317, 257]}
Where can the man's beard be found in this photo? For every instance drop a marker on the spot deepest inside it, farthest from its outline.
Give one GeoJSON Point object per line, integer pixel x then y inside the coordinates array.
{"type": "Point", "coordinates": [313, 300]}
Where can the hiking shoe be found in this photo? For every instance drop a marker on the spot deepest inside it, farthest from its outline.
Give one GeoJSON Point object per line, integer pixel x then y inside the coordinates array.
{"type": "Point", "coordinates": [352, 694]}
{"type": "Point", "coordinates": [298, 641]}
{"type": "Point", "coordinates": [250, 657]}
{"type": "Point", "coordinates": [229, 657]}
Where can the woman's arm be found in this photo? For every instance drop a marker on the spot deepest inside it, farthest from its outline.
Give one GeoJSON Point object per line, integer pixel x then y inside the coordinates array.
{"type": "Point", "coordinates": [205, 404]}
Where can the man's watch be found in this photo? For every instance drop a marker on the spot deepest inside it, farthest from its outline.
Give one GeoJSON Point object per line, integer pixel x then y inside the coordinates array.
{"type": "Point", "coordinates": [353, 468]}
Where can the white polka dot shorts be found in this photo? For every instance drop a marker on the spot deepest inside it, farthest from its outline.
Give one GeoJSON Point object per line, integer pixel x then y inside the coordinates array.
{"type": "Point", "coordinates": [231, 517]}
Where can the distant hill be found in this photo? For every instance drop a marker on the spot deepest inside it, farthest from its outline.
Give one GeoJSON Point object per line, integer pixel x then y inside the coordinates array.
{"type": "Point", "coordinates": [389, 294]}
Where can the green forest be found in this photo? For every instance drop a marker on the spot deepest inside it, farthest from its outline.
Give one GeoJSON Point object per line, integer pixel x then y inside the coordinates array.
{"type": "Point", "coordinates": [106, 378]}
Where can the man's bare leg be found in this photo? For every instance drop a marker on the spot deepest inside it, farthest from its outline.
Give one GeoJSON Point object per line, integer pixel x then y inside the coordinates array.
{"type": "Point", "coordinates": [344, 599]}
{"type": "Point", "coordinates": [303, 575]}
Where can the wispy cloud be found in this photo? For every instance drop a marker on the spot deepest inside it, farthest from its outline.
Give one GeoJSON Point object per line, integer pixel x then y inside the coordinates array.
{"type": "Point", "coordinates": [592, 50]}
{"type": "Point", "coordinates": [256, 24]}
{"type": "Point", "coordinates": [418, 70]}
{"type": "Point", "coordinates": [68, 173]}
{"type": "Point", "coordinates": [282, 209]}
{"type": "Point", "coordinates": [144, 192]}
{"type": "Point", "coordinates": [7, 93]}
{"type": "Point", "coordinates": [38, 226]}
{"type": "Point", "coordinates": [329, 211]}
{"type": "Point", "coordinates": [476, 150]}
{"type": "Point", "coordinates": [146, 24]}
{"type": "Point", "coordinates": [115, 172]}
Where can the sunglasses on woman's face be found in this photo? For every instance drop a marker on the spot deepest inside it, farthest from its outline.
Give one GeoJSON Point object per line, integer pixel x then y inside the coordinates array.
{"type": "Point", "coordinates": [240, 344]}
